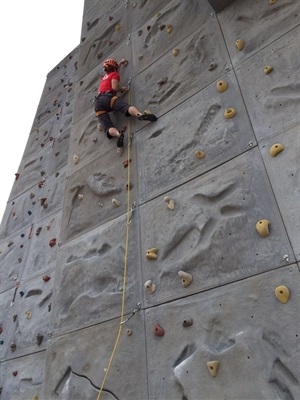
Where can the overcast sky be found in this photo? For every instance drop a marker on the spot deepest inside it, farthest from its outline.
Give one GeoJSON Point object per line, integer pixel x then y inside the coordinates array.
{"type": "Point", "coordinates": [35, 36]}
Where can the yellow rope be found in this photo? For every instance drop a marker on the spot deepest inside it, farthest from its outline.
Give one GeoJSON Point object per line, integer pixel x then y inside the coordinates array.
{"type": "Point", "coordinates": [125, 264]}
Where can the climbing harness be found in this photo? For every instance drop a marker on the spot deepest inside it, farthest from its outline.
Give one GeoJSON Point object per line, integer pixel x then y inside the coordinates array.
{"type": "Point", "coordinates": [130, 211]}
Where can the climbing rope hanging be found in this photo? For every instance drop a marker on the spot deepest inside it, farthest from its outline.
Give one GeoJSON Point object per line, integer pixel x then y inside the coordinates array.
{"type": "Point", "coordinates": [128, 220]}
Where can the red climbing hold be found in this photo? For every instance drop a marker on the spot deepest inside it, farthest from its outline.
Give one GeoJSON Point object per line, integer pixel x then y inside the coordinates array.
{"type": "Point", "coordinates": [52, 242]}
{"type": "Point", "coordinates": [42, 200]}
{"type": "Point", "coordinates": [17, 175]}
{"type": "Point", "coordinates": [15, 373]}
{"type": "Point", "coordinates": [158, 330]}
{"type": "Point", "coordinates": [125, 163]}
{"type": "Point", "coordinates": [1, 329]}
{"type": "Point", "coordinates": [46, 278]}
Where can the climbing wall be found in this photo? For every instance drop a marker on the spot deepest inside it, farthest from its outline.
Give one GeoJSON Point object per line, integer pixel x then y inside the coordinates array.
{"type": "Point", "coordinates": [201, 211]}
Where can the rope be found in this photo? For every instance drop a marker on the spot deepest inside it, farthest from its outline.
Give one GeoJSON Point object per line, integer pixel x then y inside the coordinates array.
{"type": "Point", "coordinates": [125, 263]}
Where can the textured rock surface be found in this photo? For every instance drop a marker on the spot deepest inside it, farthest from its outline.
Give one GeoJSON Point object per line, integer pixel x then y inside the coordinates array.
{"type": "Point", "coordinates": [200, 279]}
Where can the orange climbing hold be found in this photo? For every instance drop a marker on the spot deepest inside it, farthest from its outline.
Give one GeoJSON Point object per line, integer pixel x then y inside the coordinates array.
{"type": "Point", "coordinates": [158, 330]}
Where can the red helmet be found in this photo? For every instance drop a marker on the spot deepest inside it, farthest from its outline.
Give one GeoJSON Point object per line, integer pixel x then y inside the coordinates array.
{"type": "Point", "coordinates": [110, 63]}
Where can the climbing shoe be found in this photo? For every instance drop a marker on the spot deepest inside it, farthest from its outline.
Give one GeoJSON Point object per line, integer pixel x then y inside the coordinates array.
{"type": "Point", "coordinates": [120, 142]}
{"type": "Point", "coordinates": [147, 117]}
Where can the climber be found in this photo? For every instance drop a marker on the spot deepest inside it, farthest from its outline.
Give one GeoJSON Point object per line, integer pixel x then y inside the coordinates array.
{"type": "Point", "coordinates": [107, 101]}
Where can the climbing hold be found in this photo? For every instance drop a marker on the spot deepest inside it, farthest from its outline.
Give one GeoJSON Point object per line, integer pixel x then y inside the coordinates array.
{"type": "Point", "coordinates": [140, 57]}
{"type": "Point", "coordinates": [15, 317]}
{"type": "Point", "coordinates": [38, 231]}
{"type": "Point", "coordinates": [116, 202]}
{"type": "Point", "coordinates": [28, 314]}
{"type": "Point", "coordinates": [35, 397]}
{"type": "Point", "coordinates": [140, 32]}
{"type": "Point", "coordinates": [158, 330]}
{"type": "Point", "coordinates": [229, 113]}
{"type": "Point", "coordinates": [275, 149]}
{"type": "Point", "coordinates": [110, 18]}
{"type": "Point", "coordinates": [13, 347]}
{"type": "Point", "coordinates": [148, 27]}
{"type": "Point", "coordinates": [110, 42]}
{"type": "Point", "coordinates": [128, 186]}
{"type": "Point", "coordinates": [39, 339]}
{"type": "Point", "coordinates": [222, 86]}
{"type": "Point", "coordinates": [99, 55]}
{"type": "Point", "coordinates": [17, 176]}
{"type": "Point", "coordinates": [46, 278]}
{"type": "Point", "coordinates": [22, 235]}
{"type": "Point", "coordinates": [152, 253]}
{"type": "Point", "coordinates": [52, 242]}
{"type": "Point", "coordinates": [133, 5]}
{"type": "Point", "coordinates": [80, 196]}
{"type": "Point", "coordinates": [1, 342]}
{"type": "Point", "coordinates": [262, 227]}
{"type": "Point", "coordinates": [22, 293]}
{"type": "Point", "coordinates": [272, 1]}
{"type": "Point", "coordinates": [76, 159]}
{"type": "Point", "coordinates": [162, 81]}
{"type": "Point", "coordinates": [43, 200]}
{"type": "Point", "coordinates": [268, 69]}
{"type": "Point", "coordinates": [126, 163]}
{"type": "Point", "coordinates": [187, 322]}
{"type": "Point", "coordinates": [128, 332]}
{"type": "Point", "coordinates": [213, 367]}
{"type": "Point", "coordinates": [186, 278]}
{"type": "Point", "coordinates": [199, 154]}
{"type": "Point", "coordinates": [29, 212]}
{"type": "Point", "coordinates": [31, 196]}
{"type": "Point", "coordinates": [239, 44]}
{"type": "Point", "coordinates": [1, 330]}
{"type": "Point", "coordinates": [15, 373]}
{"type": "Point", "coordinates": [149, 286]}
{"type": "Point", "coordinates": [175, 52]}
{"type": "Point", "coordinates": [213, 65]}
{"type": "Point", "coordinates": [282, 293]}
{"type": "Point", "coordinates": [170, 202]}
{"type": "Point", "coordinates": [10, 243]}
{"type": "Point", "coordinates": [161, 26]}
{"type": "Point", "coordinates": [169, 28]}
{"type": "Point", "coordinates": [117, 27]}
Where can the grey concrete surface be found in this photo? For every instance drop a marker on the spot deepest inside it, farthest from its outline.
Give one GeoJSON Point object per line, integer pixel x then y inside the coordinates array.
{"type": "Point", "coordinates": [244, 327]}
{"type": "Point", "coordinates": [200, 280]}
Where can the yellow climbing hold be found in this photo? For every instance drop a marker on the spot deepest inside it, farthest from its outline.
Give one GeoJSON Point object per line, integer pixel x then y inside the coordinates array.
{"type": "Point", "coordinates": [169, 28]}
{"type": "Point", "coordinates": [229, 113]}
{"type": "Point", "coordinates": [186, 279]}
{"type": "Point", "coordinates": [199, 154]}
{"type": "Point", "coordinates": [268, 69]}
{"type": "Point", "coordinates": [175, 52]}
{"type": "Point", "coordinates": [152, 253]}
{"type": "Point", "coordinates": [76, 159]}
{"type": "Point", "coordinates": [28, 314]}
{"type": "Point", "coordinates": [240, 43]}
{"type": "Point", "coordinates": [35, 397]}
{"type": "Point", "coordinates": [272, 1]}
{"type": "Point", "coordinates": [170, 202]}
{"type": "Point", "coordinates": [222, 86]}
{"type": "Point", "coordinates": [117, 27]}
{"type": "Point", "coordinates": [275, 149]}
{"type": "Point", "coordinates": [262, 227]}
{"type": "Point", "coordinates": [213, 367]}
{"type": "Point", "coordinates": [282, 293]}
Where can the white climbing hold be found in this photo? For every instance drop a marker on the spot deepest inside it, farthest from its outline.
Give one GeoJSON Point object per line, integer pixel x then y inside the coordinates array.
{"type": "Point", "coordinates": [222, 86]}
{"type": "Point", "coordinates": [170, 202]}
{"type": "Point", "coordinates": [213, 367]}
{"type": "Point", "coordinates": [76, 159]}
{"type": "Point", "coordinates": [262, 227]}
{"type": "Point", "coordinates": [275, 149]}
{"type": "Point", "coordinates": [175, 52]}
{"type": "Point", "coordinates": [186, 278]}
{"type": "Point", "coordinates": [116, 202]}
{"type": "Point", "coordinates": [149, 286]}
{"type": "Point", "coordinates": [28, 314]}
{"type": "Point", "coordinates": [239, 44]}
{"type": "Point", "coordinates": [80, 196]}
{"type": "Point", "coordinates": [152, 253]}
{"type": "Point", "coordinates": [282, 293]}
{"type": "Point", "coordinates": [229, 113]}
{"type": "Point", "coordinates": [268, 69]}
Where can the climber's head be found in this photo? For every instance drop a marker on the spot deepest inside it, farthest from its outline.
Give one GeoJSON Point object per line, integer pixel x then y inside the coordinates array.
{"type": "Point", "coordinates": [110, 65]}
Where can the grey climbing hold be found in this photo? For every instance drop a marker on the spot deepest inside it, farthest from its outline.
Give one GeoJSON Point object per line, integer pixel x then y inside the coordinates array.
{"type": "Point", "coordinates": [186, 278]}
{"type": "Point", "coordinates": [187, 322]}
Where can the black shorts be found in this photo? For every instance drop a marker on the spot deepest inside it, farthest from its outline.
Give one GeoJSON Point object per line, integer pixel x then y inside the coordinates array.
{"type": "Point", "coordinates": [103, 103]}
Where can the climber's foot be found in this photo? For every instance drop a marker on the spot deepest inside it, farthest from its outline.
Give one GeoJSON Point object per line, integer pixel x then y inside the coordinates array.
{"type": "Point", "coordinates": [147, 117]}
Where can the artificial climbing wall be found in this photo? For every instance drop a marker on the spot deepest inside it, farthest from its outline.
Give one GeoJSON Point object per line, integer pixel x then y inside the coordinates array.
{"type": "Point", "coordinates": [212, 290]}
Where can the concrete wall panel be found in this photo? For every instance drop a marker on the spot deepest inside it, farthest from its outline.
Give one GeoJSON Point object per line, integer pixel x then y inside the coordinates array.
{"type": "Point", "coordinates": [91, 276]}
{"type": "Point", "coordinates": [211, 234]}
{"type": "Point", "coordinates": [43, 246]}
{"type": "Point", "coordinates": [13, 259]}
{"type": "Point", "coordinates": [29, 377]}
{"type": "Point", "coordinates": [86, 353]}
{"type": "Point", "coordinates": [272, 100]}
{"type": "Point", "coordinates": [59, 154]}
{"type": "Point", "coordinates": [284, 175]}
{"type": "Point", "coordinates": [166, 149]}
{"type": "Point", "coordinates": [99, 182]}
{"type": "Point", "coordinates": [202, 59]}
{"type": "Point", "coordinates": [29, 318]}
{"type": "Point", "coordinates": [243, 326]}
{"type": "Point", "coordinates": [7, 321]}
{"type": "Point", "coordinates": [258, 23]}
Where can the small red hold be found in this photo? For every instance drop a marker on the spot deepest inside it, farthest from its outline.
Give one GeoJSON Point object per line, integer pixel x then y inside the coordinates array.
{"type": "Point", "coordinates": [111, 18]}
{"type": "Point", "coordinates": [126, 163]}
{"type": "Point", "coordinates": [110, 42]}
{"type": "Point", "coordinates": [43, 200]}
{"type": "Point", "coordinates": [1, 330]}
{"type": "Point", "coordinates": [158, 330]}
{"type": "Point", "coordinates": [15, 373]}
{"type": "Point", "coordinates": [46, 278]}
{"type": "Point", "coordinates": [52, 242]}
{"type": "Point", "coordinates": [17, 176]}
{"type": "Point", "coordinates": [148, 27]}
{"type": "Point", "coordinates": [42, 144]}
{"type": "Point", "coordinates": [41, 184]}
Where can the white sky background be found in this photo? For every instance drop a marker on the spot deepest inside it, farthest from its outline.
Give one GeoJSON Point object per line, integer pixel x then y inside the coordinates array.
{"type": "Point", "coordinates": [35, 36]}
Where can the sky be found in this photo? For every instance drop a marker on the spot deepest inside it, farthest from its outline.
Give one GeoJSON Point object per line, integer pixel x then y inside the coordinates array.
{"type": "Point", "coordinates": [35, 36]}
